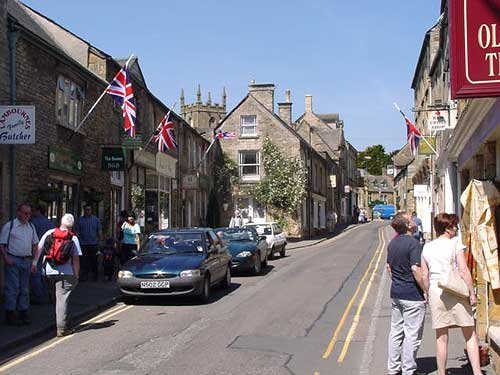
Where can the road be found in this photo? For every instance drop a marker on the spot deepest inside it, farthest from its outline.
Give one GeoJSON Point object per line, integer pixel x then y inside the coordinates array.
{"type": "Point", "coordinates": [321, 310]}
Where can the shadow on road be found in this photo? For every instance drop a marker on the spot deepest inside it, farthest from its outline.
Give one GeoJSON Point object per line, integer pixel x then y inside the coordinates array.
{"type": "Point", "coordinates": [428, 365]}
{"type": "Point", "coordinates": [263, 272]}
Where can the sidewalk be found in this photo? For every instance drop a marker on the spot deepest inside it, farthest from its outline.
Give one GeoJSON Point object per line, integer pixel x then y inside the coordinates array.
{"type": "Point", "coordinates": [291, 245]}
{"type": "Point", "coordinates": [87, 297]}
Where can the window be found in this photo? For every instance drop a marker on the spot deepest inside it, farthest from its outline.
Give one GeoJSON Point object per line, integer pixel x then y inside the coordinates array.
{"type": "Point", "coordinates": [249, 165]}
{"type": "Point", "coordinates": [69, 102]}
{"type": "Point", "coordinates": [248, 125]}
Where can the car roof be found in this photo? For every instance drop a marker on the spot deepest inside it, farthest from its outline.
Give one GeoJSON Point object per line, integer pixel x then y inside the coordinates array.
{"type": "Point", "coordinates": [182, 230]}
{"type": "Point", "coordinates": [255, 224]}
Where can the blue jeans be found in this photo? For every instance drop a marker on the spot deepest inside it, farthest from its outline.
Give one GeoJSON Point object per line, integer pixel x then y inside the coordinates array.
{"type": "Point", "coordinates": [17, 279]}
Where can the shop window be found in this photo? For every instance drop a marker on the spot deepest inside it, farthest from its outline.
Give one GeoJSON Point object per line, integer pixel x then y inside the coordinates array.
{"type": "Point", "coordinates": [69, 102]}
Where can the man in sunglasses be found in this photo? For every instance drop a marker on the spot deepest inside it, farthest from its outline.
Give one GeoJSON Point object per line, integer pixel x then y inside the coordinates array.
{"type": "Point", "coordinates": [18, 243]}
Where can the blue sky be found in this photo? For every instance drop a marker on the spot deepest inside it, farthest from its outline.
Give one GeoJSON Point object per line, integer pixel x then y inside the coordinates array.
{"type": "Point", "coordinates": [354, 57]}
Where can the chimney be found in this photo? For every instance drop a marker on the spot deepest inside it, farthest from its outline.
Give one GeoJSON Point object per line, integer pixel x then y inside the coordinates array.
{"type": "Point", "coordinates": [285, 109]}
{"type": "Point", "coordinates": [309, 103]}
{"type": "Point", "coordinates": [264, 93]}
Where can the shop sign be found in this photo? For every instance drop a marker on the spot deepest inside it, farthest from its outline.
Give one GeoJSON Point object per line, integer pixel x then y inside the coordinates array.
{"type": "Point", "coordinates": [438, 121]}
{"type": "Point", "coordinates": [17, 124]}
{"type": "Point", "coordinates": [421, 191]}
{"type": "Point", "coordinates": [347, 189]}
{"type": "Point", "coordinates": [190, 181]}
{"type": "Point", "coordinates": [332, 181]}
{"type": "Point", "coordinates": [475, 48]}
{"type": "Point", "coordinates": [145, 159]}
{"type": "Point", "coordinates": [129, 142]}
{"type": "Point", "coordinates": [166, 165]}
{"type": "Point", "coordinates": [64, 160]}
{"type": "Point", "coordinates": [423, 147]}
{"type": "Point", "coordinates": [113, 159]}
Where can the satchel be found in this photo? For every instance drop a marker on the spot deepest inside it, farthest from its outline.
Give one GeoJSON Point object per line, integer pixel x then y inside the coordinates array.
{"type": "Point", "coordinates": [452, 282]}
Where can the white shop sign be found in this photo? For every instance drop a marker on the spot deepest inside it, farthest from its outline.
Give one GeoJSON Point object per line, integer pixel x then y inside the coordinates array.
{"type": "Point", "coordinates": [17, 124]}
{"type": "Point", "coordinates": [438, 120]}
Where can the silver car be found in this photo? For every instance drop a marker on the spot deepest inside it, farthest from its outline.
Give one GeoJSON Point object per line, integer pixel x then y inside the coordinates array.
{"type": "Point", "coordinates": [275, 237]}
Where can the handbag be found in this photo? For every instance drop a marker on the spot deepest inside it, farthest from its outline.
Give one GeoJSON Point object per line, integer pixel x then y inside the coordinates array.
{"type": "Point", "coordinates": [452, 282]}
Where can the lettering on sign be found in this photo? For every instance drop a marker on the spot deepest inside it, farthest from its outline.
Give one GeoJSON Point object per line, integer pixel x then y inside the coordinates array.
{"type": "Point", "coordinates": [17, 124]}
{"type": "Point", "coordinates": [438, 121]}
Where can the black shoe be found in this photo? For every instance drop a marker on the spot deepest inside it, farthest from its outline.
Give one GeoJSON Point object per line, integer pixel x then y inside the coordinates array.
{"type": "Point", "coordinates": [11, 319]}
{"type": "Point", "coordinates": [23, 317]}
{"type": "Point", "coordinates": [61, 332]}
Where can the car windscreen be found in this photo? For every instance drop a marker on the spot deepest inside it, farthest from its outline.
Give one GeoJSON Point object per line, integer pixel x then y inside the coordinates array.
{"type": "Point", "coordinates": [236, 234]}
{"type": "Point", "coordinates": [263, 229]}
{"type": "Point", "coordinates": [172, 243]}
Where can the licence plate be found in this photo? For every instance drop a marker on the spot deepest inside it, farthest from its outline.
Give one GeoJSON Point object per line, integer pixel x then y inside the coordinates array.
{"type": "Point", "coordinates": [154, 284]}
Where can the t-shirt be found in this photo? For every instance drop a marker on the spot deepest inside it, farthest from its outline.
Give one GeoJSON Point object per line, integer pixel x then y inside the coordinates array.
{"type": "Point", "coordinates": [403, 252]}
{"type": "Point", "coordinates": [129, 233]}
{"type": "Point", "coordinates": [437, 255]}
{"type": "Point", "coordinates": [88, 228]}
{"type": "Point", "coordinates": [60, 269]}
{"type": "Point", "coordinates": [21, 239]}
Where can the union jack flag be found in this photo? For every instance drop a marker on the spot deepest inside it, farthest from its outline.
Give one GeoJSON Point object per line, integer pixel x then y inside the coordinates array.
{"type": "Point", "coordinates": [121, 91]}
{"type": "Point", "coordinates": [224, 135]}
{"type": "Point", "coordinates": [164, 134]}
{"type": "Point", "coordinates": [412, 134]}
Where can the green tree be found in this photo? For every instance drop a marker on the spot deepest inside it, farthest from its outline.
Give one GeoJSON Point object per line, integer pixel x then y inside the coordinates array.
{"type": "Point", "coordinates": [284, 185]}
{"type": "Point", "coordinates": [373, 159]}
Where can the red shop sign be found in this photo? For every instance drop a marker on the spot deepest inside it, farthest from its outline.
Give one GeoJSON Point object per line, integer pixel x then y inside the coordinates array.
{"type": "Point", "coordinates": [475, 48]}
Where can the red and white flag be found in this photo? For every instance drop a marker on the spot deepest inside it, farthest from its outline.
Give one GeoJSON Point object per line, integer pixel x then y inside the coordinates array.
{"type": "Point", "coordinates": [164, 134]}
{"type": "Point", "coordinates": [123, 94]}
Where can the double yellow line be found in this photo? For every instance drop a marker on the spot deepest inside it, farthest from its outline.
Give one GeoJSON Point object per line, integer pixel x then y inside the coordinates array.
{"type": "Point", "coordinates": [377, 255]}
{"type": "Point", "coordinates": [82, 327]}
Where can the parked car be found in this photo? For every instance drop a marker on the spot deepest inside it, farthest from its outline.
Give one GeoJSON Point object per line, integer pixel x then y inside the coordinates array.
{"type": "Point", "coordinates": [384, 211]}
{"type": "Point", "coordinates": [275, 238]}
{"type": "Point", "coordinates": [186, 261]}
{"type": "Point", "coordinates": [248, 250]}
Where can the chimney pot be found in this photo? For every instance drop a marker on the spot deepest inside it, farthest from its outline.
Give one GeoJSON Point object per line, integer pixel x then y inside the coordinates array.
{"type": "Point", "coordinates": [309, 103]}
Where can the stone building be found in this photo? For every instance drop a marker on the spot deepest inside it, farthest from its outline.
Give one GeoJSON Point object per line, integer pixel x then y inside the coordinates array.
{"type": "Point", "coordinates": [325, 133]}
{"type": "Point", "coordinates": [204, 117]}
{"type": "Point", "coordinates": [252, 120]}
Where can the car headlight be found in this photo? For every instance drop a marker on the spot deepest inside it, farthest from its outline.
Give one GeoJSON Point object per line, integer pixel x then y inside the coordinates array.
{"type": "Point", "coordinates": [190, 273]}
{"type": "Point", "coordinates": [125, 274]}
{"type": "Point", "coordinates": [244, 254]}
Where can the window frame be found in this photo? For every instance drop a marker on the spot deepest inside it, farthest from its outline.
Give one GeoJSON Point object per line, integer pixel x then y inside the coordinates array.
{"type": "Point", "coordinates": [244, 127]}
{"type": "Point", "coordinates": [69, 104]}
{"type": "Point", "coordinates": [241, 165]}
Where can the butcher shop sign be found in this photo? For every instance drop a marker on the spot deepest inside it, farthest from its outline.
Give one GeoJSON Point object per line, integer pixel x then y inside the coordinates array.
{"type": "Point", "coordinates": [17, 124]}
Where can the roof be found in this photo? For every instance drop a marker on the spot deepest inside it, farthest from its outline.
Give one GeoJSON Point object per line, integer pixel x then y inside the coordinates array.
{"type": "Point", "coordinates": [403, 157]}
{"type": "Point", "coordinates": [423, 51]}
{"type": "Point", "coordinates": [329, 117]}
{"type": "Point", "coordinates": [135, 68]}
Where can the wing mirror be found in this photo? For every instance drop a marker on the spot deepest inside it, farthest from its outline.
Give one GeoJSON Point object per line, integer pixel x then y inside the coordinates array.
{"type": "Point", "coordinates": [262, 238]}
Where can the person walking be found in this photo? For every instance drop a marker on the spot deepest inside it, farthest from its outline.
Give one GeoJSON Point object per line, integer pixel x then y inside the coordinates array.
{"type": "Point", "coordinates": [407, 297]}
{"type": "Point", "coordinates": [131, 238]}
{"type": "Point", "coordinates": [419, 230]}
{"type": "Point", "coordinates": [89, 232]}
{"type": "Point", "coordinates": [236, 220]}
{"type": "Point", "coordinates": [62, 277]}
{"type": "Point", "coordinates": [18, 244]}
{"type": "Point", "coordinates": [448, 310]}
{"type": "Point", "coordinates": [38, 285]}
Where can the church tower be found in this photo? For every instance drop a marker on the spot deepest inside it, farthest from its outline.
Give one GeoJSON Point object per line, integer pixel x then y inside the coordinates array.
{"type": "Point", "coordinates": [204, 117]}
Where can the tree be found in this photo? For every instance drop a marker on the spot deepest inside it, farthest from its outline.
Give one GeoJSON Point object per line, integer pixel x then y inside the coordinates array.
{"type": "Point", "coordinates": [284, 186]}
{"type": "Point", "coordinates": [373, 159]}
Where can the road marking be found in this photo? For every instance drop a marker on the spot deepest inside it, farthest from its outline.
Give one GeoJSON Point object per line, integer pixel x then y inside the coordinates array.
{"type": "Point", "coordinates": [355, 322]}
{"type": "Point", "coordinates": [331, 345]}
{"type": "Point", "coordinates": [83, 326]}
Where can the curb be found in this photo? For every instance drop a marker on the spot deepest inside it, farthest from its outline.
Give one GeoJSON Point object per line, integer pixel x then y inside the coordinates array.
{"type": "Point", "coordinates": [346, 229]}
{"type": "Point", "coordinates": [45, 330]}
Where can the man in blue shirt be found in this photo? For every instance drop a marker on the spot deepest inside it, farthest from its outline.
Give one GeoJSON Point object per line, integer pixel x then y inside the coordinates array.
{"type": "Point", "coordinates": [90, 234]}
{"type": "Point", "coordinates": [38, 286]}
{"type": "Point", "coordinates": [419, 230]}
{"type": "Point", "coordinates": [408, 299]}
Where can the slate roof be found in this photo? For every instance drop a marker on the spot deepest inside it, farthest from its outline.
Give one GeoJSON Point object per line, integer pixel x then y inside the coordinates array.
{"type": "Point", "coordinates": [403, 157]}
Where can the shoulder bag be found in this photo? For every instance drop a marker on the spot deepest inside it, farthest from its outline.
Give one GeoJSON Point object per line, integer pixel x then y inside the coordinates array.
{"type": "Point", "coordinates": [452, 282]}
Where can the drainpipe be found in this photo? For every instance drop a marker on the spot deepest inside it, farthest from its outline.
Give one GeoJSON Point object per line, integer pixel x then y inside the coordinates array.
{"type": "Point", "coordinates": [12, 39]}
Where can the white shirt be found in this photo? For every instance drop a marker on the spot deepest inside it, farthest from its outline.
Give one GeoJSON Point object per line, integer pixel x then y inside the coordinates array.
{"type": "Point", "coordinates": [22, 238]}
{"type": "Point", "coordinates": [437, 254]}
{"type": "Point", "coordinates": [60, 269]}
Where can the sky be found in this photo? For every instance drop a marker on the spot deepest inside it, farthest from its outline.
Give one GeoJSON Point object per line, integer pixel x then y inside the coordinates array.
{"type": "Point", "coordinates": [355, 57]}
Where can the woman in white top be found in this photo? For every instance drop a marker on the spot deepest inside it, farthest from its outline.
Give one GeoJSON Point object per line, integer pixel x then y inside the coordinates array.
{"type": "Point", "coordinates": [448, 310]}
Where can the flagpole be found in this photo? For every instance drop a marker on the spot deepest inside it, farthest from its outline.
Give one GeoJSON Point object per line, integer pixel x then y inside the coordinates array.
{"type": "Point", "coordinates": [423, 137]}
{"type": "Point", "coordinates": [206, 153]}
{"type": "Point", "coordinates": [95, 104]}
{"type": "Point", "coordinates": [152, 135]}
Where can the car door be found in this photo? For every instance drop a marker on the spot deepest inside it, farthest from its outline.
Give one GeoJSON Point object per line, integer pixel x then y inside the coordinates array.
{"type": "Point", "coordinates": [279, 236]}
{"type": "Point", "coordinates": [218, 255]}
{"type": "Point", "coordinates": [212, 258]}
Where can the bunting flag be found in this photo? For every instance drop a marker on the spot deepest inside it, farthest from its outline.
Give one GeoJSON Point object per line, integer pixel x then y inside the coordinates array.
{"type": "Point", "coordinates": [225, 135]}
{"type": "Point", "coordinates": [121, 91]}
{"type": "Point", "coordinates": [413, 135]}
{"type": "Point", "coordinates": [164, 134]}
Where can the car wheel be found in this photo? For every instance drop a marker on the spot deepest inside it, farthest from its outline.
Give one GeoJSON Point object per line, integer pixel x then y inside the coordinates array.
{"type": "Point", "coordinates": [226, 281]}
{"type": "Point", "coordinates": [283, 252]}
{"type": "Point", "coordinates": [257, 267]}
{"type": "Point", "coordinates": [205, 290]}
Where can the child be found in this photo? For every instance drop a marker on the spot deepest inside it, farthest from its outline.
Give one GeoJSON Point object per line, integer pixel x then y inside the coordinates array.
{"type": "Point", "coordinates": [108, 259]}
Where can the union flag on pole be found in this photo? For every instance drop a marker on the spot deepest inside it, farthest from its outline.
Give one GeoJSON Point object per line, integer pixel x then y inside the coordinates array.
{"type": "Point", "coordinates": [413, 135]}
{"type": "Point", "coordinates": [225, 135]}
{"type": "Point", "coordinates": [121, 91]}
{"type": "Point", "coordinates": [164, 134]}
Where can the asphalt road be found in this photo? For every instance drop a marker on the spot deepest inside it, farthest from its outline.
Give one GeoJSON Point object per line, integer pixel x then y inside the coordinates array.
{"type": "Point", "coordinates": [320, 311]}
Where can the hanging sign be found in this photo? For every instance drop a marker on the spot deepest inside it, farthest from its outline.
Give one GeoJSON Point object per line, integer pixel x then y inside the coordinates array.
{"type": "Point", "coordinates": [113, 159]}
{"type": "Point", "coordinates": [17, 124]}
{"type": "Point", "coordinates": [475, 48]}
{"type": "Point", "coordinates": [438, 121]}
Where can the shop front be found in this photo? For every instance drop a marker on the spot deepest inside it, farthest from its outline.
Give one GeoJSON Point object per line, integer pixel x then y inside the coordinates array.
{"type": "Point", "coordinates": [143, 189]}
{"type": "Point", "coordinates": [113, 162]}
{"type": "Point", "coordinates": [166, 167]}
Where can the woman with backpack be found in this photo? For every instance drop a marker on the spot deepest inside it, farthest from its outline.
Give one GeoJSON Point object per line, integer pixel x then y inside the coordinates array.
{"type": "Point", "coordinates": [61, 251]}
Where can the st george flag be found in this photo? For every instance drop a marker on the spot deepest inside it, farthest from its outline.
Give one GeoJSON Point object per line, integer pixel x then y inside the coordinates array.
{"type": "Point", "coordinates": [412, 134]}
{"type": "Point", "coordinates": [164, 134]}
{"type": "Point", "coordinates": [225, 135]}
{"type": "Point", "coordinates": [121, 91]}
